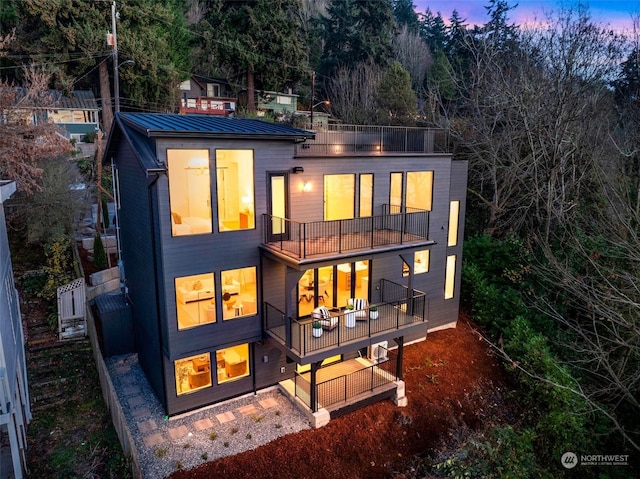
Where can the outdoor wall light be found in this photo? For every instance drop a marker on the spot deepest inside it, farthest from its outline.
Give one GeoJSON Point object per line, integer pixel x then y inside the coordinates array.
{"type": "Point", "coordinates": [297, 169]}
{"type": "Point", "coordinates": [306, 186]}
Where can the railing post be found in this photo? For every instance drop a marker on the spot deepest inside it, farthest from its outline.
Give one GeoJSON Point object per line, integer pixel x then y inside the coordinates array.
{"type": "Point", "coordinates": [302, 233]}
{"type": "Point", "coordinates": [313, 389]}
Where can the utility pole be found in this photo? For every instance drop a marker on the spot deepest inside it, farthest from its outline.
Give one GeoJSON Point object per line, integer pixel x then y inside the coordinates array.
{"type": "Point", "coordinates": [116, 80]}
{"type": "Point", "coordinates": [313, 94]}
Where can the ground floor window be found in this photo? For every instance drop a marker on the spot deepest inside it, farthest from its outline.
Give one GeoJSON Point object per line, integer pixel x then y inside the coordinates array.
{"type": "Point", "coordinates": [193, 373]}
{"type": "Point", "coordinates": [232, 363]}
{"type": "Point", "coordinates": [450, 277]}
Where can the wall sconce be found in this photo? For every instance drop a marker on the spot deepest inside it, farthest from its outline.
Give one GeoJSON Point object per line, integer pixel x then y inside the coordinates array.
{"type": "Point", "coordinates": [297, 169]}
{"type": "Point", "coordinates": [306, 186]}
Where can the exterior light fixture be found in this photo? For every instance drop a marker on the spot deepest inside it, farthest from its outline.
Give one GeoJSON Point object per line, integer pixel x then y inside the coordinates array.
{"type": "Point", "coordinates": [306, 186]}
{"type": "Point", "coordinates": [297, 169]}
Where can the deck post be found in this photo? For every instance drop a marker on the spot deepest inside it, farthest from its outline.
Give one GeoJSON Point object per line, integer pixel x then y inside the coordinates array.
{"type": "Point", "coordinates": [400, 342]}
{"type": "Point", "coordinates": [314, 388]}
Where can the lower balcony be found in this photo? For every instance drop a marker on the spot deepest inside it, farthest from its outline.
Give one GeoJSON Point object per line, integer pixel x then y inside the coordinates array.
{"type": "Point", "coordinates": [398, 311]}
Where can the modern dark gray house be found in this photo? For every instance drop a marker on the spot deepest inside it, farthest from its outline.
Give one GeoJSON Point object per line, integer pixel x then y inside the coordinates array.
{"type": "Point", "coordinates": [257, 254]}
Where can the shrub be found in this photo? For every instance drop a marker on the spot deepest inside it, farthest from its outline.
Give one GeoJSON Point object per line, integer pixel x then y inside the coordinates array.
{"type": "Point", "coordinates": [99, 254]}
{"type": "Point", "coordinates": [59, 268]}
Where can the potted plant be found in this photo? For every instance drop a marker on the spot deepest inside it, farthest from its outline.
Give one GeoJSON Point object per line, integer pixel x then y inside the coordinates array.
{"type": "Point", "coordinates": [373, 312]}
{"type": "Point", "coordinates": [350, 317]}
{"type": "Point", "coordinates": [316, 329]}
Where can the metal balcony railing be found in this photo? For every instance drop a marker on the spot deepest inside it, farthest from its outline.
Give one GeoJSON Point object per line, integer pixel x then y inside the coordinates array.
{"type": "Point", "coordinates": [396, 225]}
{"type": "Point", "coordinates": [337, 140]}
{"type": "Point", "coordinates": [399, 310]}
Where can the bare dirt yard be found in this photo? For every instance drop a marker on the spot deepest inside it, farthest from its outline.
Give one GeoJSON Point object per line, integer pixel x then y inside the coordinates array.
{"type": "Point", "coordinates": [453, 382]}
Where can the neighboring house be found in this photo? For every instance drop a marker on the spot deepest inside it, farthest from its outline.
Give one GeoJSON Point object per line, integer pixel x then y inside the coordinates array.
{"type": "Point", "coordinates": [207, 96]}
{"type": "Point", "coordinates": [76, 113]}
{"type": "Point", "coordinates": [15, 412]}
{"type": "Point", "coordinates": [236, 234]}
{"type": "Point", "coordinates": [276, 103]}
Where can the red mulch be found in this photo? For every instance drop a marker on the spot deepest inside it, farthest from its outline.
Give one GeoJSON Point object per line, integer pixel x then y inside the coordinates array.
{"type": "Point", "coordinates": [452, 380]}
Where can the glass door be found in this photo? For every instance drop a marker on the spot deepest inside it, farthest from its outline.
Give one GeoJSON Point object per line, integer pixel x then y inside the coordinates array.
{"type": "Point", "coordinates": [278, 206]}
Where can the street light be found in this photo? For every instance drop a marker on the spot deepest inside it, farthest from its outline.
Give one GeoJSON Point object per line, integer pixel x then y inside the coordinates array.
{"type": "Point", "coordinates": [325, 102]}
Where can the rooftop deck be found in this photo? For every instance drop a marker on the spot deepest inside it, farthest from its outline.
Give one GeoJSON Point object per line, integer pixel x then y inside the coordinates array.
{"type": "Point", "coordinates": [348, 140]}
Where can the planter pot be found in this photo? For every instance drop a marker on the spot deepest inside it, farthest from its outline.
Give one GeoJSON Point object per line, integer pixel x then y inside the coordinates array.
{"type": "Point", "coordinates": [317, 332]}
{"type": "Point", "coordinates": [373, 315]}
{"type": "Point", "coordinates": [350, 319]}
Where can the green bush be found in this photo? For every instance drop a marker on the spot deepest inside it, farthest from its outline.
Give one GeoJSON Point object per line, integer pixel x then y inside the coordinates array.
{"type": "Point", "coordinates": [59, 268]}
{"type": "Point", "coordinates": [99, 254]}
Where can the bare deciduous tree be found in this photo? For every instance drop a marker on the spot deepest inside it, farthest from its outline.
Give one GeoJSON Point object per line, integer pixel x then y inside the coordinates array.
{"type": "Point", "coordinates": [414, 55]}
{"type": "Point", "coordinates": [353, 93]}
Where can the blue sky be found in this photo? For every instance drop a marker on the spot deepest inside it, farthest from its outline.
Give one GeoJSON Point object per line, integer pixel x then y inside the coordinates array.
{"type": "Point", "coordinates": [616, 13]}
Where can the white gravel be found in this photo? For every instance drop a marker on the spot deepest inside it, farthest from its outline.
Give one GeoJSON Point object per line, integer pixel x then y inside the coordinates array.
{"type": "Point", "coordinates": [197, 446]}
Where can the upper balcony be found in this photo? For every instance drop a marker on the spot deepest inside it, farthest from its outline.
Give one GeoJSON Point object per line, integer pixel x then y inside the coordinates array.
{"type": "Point", "coordinates": [394, 227]}
{"type": "Point", "coordinates": [349, 140]}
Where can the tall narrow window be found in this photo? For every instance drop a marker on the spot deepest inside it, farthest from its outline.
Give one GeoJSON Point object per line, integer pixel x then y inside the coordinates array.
{"type": "Point", "coordinates": [189, 191]}
{"type": "Point", "coordinates": [232, 363]}
{"type": "Point", "coordinates": [419, 189]}
{"type": "Point", "coordinates": [454, 211]}
{"type": "Point", "coordinates": [339, 197]}
{"type": "Point", "coordinates": [278, 204]}
{"type": "Point", "coordinates": [239, 293]}
{"type": "Point", "coordinates": [450, 277]}
{"type": "Point", "coordinates": [234, 174]}
{"type": "Point", "coordinates": [366, 194]}
{"type": "Point", "coordinates": [195, 300]}
{"type": "Point", "coordinates": [193, 373]}
{"type": "Point", "coordinates": [395, 192]}
{"type": "Point", "coordinates": [421, 262]}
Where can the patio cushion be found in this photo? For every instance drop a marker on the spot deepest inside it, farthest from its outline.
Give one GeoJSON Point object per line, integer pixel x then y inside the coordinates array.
{"type": "Point", "coordinates": [360, 306]}
{"type": "Point", "coordinates": [323, 315]}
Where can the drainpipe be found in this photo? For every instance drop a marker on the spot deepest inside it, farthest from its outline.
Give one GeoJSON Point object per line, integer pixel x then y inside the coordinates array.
{"type": "Point", "coordinates": [116, 200]}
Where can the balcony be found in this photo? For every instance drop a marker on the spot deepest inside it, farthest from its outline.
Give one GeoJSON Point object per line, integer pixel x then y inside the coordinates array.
{"type": "Point", "coordinates": [398, 310]}
{"type": "Point", "coordinates": [396, 226]}
{"type": "Point", "coordinates": [349, 140]}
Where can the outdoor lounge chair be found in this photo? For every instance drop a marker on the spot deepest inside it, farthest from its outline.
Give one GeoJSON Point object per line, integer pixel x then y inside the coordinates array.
{"type": "Point", "coordinates": [361, 308]}
{"type": "Point", "coordinates": [323, 315]}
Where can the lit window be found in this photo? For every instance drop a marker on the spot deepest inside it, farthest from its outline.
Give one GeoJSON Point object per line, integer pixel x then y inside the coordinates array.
{"type": "Point", "coordinates": [419, 189]}
{"type": "Point", "coordinates": [234, 173]}
{"type": "Point", "coordinates": [454, 210]}
{"type": "Point", "coordinates": [195, 300]}
{"type": "Point", "coordinates": [421, 262]}
{"type": "Point", "coordinates": [232, 363]}
{"type": "Point", "coordinates": [193, 373]}
{"type": "Point", "coordinates": [450, 277]}
{"type": "Point", "coordinates": [189, 191]}
{"type": "Point", "coordinates": [395, 193]}
{"type": "Point", "coordinates": [239, 293]}
{"type": "Point", "coordinates": [366, 195]}
{"type": "Point", "coordinates": [339, 197]}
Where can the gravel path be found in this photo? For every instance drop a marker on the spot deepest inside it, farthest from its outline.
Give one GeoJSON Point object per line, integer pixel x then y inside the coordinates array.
{"type": "Point", "coordinates": [183, 442]}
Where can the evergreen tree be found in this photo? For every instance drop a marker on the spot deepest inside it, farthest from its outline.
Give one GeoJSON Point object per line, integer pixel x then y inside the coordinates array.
{"type": "Point", "coordinates": [433, 30]}
{"type": "Point", "coordinates": [357, 31]}
{"type": "Point", "coordinates": [99, 254]}
{"type": "Point", "coordinates": [405, 14]}
{"type": "Point", "coordinates": [397, 101]}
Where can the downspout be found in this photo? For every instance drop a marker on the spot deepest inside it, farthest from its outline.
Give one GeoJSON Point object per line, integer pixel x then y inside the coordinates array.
{"type": "Point", "coordinates": [116, 199]}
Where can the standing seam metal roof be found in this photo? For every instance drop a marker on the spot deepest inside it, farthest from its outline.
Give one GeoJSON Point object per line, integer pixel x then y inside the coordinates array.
{"type": "Point", "coordinates": [158, 123]}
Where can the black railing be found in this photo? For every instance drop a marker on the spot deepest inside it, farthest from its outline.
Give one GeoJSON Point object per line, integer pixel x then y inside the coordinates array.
{"type": "Point", "coordinates": [337, 140]}
{"type": "Point", "coordinates": [349, 326]}
{"type": "Point", "coordinates": [395, 225]}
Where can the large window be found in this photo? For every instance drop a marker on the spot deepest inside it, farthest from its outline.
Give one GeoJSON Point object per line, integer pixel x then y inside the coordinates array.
{"type": "Point", "coordinates": [420, 263]}
{"type": "Point", "coordinates": [239, 293]}
{"type": "Point", "coordinates": [366, 194]}
{"type": "Point", "coordinates": [339, 197]}
{"type": "Point", "coordinates": [395, 192]}
{"type": "Point", "coordinates": [454, 212]}
{"type": "Point", "coordinates": [195, 300]}
{"type": "Point", "coordinates": [232, 363]}
{"type": "Point", "coordinates": [450, 277]}
{"type": "Point", "coordinates": [234, 174]}
{"type": "Point", "coordinates": [189, 191]}
{"type": "Point", "coordinates": [193, 373]}
{"type": "Point", "coordinates": [419, 189]}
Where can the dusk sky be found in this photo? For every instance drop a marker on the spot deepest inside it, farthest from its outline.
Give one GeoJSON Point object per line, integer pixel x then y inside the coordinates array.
{"type": "Point", "coordinates": [616, 13]}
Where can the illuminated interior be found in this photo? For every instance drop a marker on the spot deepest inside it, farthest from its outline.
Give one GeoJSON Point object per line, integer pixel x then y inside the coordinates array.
{"type": "Point", "coordinates": [303, 368]}
{"type": "Point", "coordinates": [339, 197]}
{"type": "Point", "coordinates": [420, 263]}
{"type": "Point", "coordinates": [234, 175]}
{"type": "Point", "coordinates": [193, 373]}
{"type": "Point", "coordinates": [419, 189]}
{"type": "Point", "coordinates": [454, 211]}
{"type": "Point", "coordinates": [232, 363]}
{"type": "Point", "coordinates": [195, 300]}
{"type": "Point", "coordinates": [189, 192]}
{"type": "Point", "coordinates": [366, 194]}
{"type": "Point", "coordinates": [395, 192]}
{"type": "Point", "coordinates": [449, 277]}
{"type": "Point", "coordinates": [239, 293]}
{"type": "Point", "coordinates": [316, 287]}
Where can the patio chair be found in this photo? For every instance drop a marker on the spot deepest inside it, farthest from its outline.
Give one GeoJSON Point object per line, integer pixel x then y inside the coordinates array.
{"type": "Point", "coordinates": [361, 308]}
{"type": "Point", "coordinates": [323, 315]}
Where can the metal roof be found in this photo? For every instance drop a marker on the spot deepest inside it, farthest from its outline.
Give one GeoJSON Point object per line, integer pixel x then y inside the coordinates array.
{"type": "Point", "coordinates": [173, 125]}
